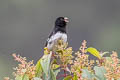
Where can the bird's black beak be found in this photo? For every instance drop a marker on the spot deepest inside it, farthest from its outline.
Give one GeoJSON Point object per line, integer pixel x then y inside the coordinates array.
{"type": "Point", "coordinates": [66, 19]}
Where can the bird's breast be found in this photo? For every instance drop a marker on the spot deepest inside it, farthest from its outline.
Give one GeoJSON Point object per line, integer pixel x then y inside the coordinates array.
{"type": "Point", "coordinates": [52, 40]}
{"type": "Point", "coordinates": [59, 35]}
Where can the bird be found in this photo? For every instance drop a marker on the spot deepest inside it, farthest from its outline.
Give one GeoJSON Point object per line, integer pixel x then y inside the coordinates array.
{"type": "Point", "coordinates": [58, 32]}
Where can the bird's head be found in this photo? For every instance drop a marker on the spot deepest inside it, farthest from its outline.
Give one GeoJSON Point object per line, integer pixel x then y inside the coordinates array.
{"type": "Point", "coordinates": [61, 21]}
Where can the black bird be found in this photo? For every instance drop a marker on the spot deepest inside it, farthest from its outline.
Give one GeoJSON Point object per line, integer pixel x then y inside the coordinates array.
{"type": "Point", "coordinates": [59, 32]}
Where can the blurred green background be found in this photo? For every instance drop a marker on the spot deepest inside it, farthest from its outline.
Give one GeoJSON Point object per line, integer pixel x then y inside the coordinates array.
{"type": "Point", "coordinates": [25, 25]}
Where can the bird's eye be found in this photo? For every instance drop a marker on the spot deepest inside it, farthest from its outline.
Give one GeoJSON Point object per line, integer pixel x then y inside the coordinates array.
{"type": "Point", "coordinates": [62, 19]}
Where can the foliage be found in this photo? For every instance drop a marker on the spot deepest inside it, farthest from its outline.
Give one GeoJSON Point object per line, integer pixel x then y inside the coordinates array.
{"type": "Point", "coordinates": [63, 63]}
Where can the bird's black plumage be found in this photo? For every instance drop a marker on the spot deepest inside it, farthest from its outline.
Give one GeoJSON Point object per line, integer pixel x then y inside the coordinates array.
{"type": "Point", "coordinates": [59, 31]}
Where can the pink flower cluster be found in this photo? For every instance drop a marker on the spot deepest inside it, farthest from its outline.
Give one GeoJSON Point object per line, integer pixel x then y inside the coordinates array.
{"type": "Point", "coordinates": [113, 67]}
{"type": "Point", "coordinates": [24, 67]}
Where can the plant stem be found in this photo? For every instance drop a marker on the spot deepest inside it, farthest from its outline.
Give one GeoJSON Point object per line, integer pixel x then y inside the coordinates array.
{"type": "Point", "coordinates": [65, 73]}
{"type": "Point", "coordinates": [62, 75]}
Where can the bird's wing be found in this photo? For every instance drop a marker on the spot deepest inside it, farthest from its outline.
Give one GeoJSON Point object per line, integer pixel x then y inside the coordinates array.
{"type": "Point", "coordinates": [52, 33]}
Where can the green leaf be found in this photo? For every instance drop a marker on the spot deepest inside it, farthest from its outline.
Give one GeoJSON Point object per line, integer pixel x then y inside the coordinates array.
{"type": "Point", "coordinates": [55, 66]}
{"type": "Point", "coordinates": [43, 66]}
{"type": "Point", "coordinates": [109, 59]}
{"type": "Point", "coordinates": [56, 72]}
{"type": "Point", "coordinates": [45, 63]}
{"type": "Point", "coordinates": [52, 75]}
{"type": "Point", "coordinates": [94, 52]}
{"type": "Point", "coordinates": [36, 78]}
{"type": "Point", "coordinates": [87, 74]}
{"type": "Point", "coordinates": [18, 77]}
{"type": "Point", "coordinates": [39, 69]}
{"type": "Point", "coordinates": [99, 72]}
{"type": "Point", "coordinates": [54, 61]}
{"type": "Point", "coordinates": [24, 77]}
{"type": "Point", "coordinates": [104, 53]}
{"type": "Point", "coordinates": [68, 78]}
{"type": "Point", "coordinates": [75, 77]}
